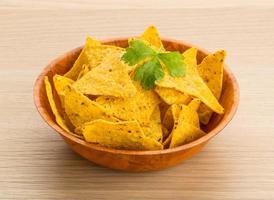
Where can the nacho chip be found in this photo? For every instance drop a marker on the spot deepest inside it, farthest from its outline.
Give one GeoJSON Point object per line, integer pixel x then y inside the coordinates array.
{"type": "Point", "coordinates": [184, 133]}
{"type": "Point", "coordinates": [109, 78]}
{"type": "Point", "coordinates": [186, 114]}
{"type": "Point", "coordinates": [93, 54]}
{"type": "Point", "coordinates": [192, 84]}
{"type": "Point", "coordinates": [172, 96]}
{"type": "Point", "coordinates": [84, 70]}
{"type": "Point", "coordinates": [82, 59]}
{"type": "Point", "coordinates": [119, 135]}
{"type": "Point", "coordinates": [80, 109]}
{"type": "Point", "coordinates": [140, 107]}
{"type": "Point", "coordinates": [153, 129]}
{"type": "Point", "coordinates": [211, 70]}
{"type": "Point", "coordinates": [60, 121]}
{"type": "Point", "coordinates": [61, 86]}
{"type": "Point", "coordinates": [194, 104]}
{"type": "Point", "coordinates": [190, 58]}
{"type": "Point", "coordinates": [123, 109]}
{"type": "Point", "coordinates": [98, 54]}
{"type": "Point", "coordinates": [180, 113]}
{"type": "Point", "coordinates": [152, 37]}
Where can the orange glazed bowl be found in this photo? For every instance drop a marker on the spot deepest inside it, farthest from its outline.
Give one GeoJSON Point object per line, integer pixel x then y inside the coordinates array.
{"type": "Point", "coordinates": [129, 160]}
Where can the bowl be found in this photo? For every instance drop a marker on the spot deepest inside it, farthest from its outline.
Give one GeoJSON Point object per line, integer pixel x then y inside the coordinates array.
{"type": "Point", "coordinates": [129, 160]}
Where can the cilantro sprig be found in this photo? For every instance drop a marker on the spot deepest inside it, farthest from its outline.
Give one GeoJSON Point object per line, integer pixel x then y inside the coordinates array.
{"type": "Point", "coordinates": [151, 70]}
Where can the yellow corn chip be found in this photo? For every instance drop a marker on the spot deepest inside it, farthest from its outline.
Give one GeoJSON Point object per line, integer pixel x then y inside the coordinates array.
{"type": "Point", "coordinates": [93, 54]}
{"type": "Point", "coordinates": [61, 86]}
{"type": "Point", "coordinates": [60, 121]}
{"type": "Point", "coordinates": [153, 129]}
{"type": "Point", "coordinates": [124, 109]}
{"type": "Point", "coordinates": [211, 70]}
{"type": "Point", "coordinates": [184, 133]}
{"type": "Point", "coordinates": [172, 96]}
{"type": "Point", "coordinates": [186, 114]}
{"type": "Point", "coordinates": [192, 84]}
{"type": "Point", "coordinates": [140, 107]}
{"type": "Point", "coordinates": [84, 70]}
{"type": "Point", "coordinates": [80, 109]}
{"type": "Point", "coordinates": [100, 53]}
{"type": "Point", "coordinates": [109, 78]}
{"type": "Point", "coordinates": [181, 114]}
{"type": "Point", "coordinates": [194, 104]}
{"type": "Point", "coordinates": [152, 37]}
{"type": "Point", "coordinates": [119, 135]}
{"type": "Point", "coordinates": [82, 59]}
{"type": "Point", "coordinates": [190, 58]}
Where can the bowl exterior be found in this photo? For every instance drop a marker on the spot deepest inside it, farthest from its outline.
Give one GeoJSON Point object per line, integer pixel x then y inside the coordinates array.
{"type": "Point", "coordinates": [133, 163]}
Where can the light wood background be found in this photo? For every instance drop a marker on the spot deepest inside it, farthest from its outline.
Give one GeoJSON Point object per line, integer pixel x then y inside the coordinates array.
{"type": "Point", "coordinates": [36, 164]}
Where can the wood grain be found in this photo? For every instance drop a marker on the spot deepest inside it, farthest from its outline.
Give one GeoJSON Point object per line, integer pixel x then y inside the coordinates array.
{"type": "Point", "coordinates": [36, 164]}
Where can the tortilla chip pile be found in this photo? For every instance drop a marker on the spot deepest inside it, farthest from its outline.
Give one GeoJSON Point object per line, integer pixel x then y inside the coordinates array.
{"type": "Point", "coordinates": [103, 104]}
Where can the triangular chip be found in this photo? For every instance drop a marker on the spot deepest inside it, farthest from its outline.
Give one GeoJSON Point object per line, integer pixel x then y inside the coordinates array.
{"type": "Point", "coordinates": [184, 133]}
{"type": "Point", "coordinates": [153, 129]}
{"type": "Point", "coordinates": [172, 96]}
{"type": "Point", "coordinates": [146, 101]}
{"type": "Point", "coordinates": [82, 59]}
{"type": "Point", "coordinates": [186, 114]}
{"type": "Point", "coordinates": [119, 135]}
{"type": "Point", "coordinates": [98, 54]}
{"type": "Point", "coordinates": [93, 54]}
{"type": "Point", "coordinates": [58, 118]}
{"type": "Point", "coordinates": [60, 121]}
{"type": "Point", "coordinates": [152, 37]}
{"type": "Point", "coordinates": [186, 126]}
{"type": "Point", "coordinates": [84, 70]}
{"type": "Point", "coordinates": [61, 86]}
{"type": "Point", "coordinates": [190, 57]}
{"type": "Point", "coordinates": [171, 117]}
{"type": "Point", "coordinates": [140, 107]}
{"type": "Point", "coordinates": [109, 78]}
{"type": "Point", "coordinates": [180, 113]}
{"type": "Point", "coordinates": [194, 104]}
{"type": "Point", "coordinates": [192, 84]}
{"type": "Point", "coordinates": [211, 70]}
{"type": "Point", "coordinates": [123, 109]}
{"type": "Point", "coordinates": [80, 109]}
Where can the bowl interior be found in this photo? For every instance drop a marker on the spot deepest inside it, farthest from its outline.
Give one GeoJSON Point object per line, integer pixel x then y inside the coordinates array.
{"type": "Point", "coordinates": [229, 98]}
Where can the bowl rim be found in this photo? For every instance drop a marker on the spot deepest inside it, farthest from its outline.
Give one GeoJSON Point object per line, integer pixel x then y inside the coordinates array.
{"type": "Point", "coordinates": [52, 123]}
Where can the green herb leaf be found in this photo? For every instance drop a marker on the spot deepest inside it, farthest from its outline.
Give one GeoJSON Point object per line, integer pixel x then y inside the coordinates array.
{"type": "Point", "coordinates": [149, 72]}
{"type": "Point", "coordinates": [152, 70]}
{"type": "Point", "coordinates": [174, 63]}
{"type": "Point", "coordinates": [137, 51]}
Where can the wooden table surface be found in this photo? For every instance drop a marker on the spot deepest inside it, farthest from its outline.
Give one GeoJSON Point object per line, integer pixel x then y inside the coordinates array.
{"type": "Point", "coordinates": [36, 164]}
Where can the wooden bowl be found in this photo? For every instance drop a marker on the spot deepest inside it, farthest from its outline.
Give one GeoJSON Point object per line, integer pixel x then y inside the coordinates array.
{"type": "Point", "coordinates": [129, 160]}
